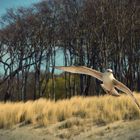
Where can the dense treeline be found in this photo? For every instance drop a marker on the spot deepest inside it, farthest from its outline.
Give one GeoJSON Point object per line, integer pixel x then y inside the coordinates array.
{"type": "Point", "coordinates": [96, 33]}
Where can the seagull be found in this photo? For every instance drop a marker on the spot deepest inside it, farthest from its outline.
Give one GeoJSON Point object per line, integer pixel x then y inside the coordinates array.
{"type": "Point", "coordinates": [109, 82]}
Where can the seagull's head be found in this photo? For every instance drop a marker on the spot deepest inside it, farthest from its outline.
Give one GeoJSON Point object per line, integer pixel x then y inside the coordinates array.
{"type": "Point", "coordinates": [109, 71]}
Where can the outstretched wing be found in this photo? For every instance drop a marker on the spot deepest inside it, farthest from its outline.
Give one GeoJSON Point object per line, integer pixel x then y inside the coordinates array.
{"type": "Point", "coordinates": [81, 70]}
{"type": "Point", "coordinates": [126, 90]}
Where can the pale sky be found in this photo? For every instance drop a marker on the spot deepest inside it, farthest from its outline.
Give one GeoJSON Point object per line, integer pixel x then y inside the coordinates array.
{"type": "Point", "coordinates": [7, 4]}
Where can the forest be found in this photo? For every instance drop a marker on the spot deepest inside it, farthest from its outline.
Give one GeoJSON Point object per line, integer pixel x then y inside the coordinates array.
{"type": "Point", "coordinates": [99, 34]}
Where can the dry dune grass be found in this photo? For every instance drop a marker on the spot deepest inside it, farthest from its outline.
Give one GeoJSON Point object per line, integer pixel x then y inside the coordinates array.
{"type": "Point", "coordinates": [103, 109]}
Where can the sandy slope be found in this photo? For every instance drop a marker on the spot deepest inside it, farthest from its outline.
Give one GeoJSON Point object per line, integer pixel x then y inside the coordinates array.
{"type": "Point", "coordinates": [75, 129]}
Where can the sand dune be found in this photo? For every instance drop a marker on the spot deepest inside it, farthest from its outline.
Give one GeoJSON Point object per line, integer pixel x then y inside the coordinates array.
{"type": "Point", "coordinates": [42, 112]}
{"type": "Point", "coordinates": [78, 118]}
{"type": "Point", "coordinates": [80, 130]}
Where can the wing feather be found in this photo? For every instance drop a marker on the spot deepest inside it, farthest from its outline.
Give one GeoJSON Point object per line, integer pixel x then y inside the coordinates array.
{"type": "Point", "coordinates": [81, 70]}
{"type": "Point", "coordinates": [126, 90]}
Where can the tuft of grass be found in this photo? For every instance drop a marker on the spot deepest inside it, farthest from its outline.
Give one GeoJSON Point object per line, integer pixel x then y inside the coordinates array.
{"type": "Point", "coordinates": [103, 109]}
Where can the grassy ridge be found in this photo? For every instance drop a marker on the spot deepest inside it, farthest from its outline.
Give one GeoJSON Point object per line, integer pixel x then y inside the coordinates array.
{"type": "Point", "coordinates": [103, 109]}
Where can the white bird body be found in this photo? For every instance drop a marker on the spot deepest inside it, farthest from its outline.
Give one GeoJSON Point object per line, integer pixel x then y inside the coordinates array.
{"type": "Point", "coordinates": [109, 81]}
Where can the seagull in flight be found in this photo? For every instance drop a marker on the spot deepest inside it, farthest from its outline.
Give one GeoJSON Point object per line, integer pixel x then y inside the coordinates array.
{"type": "Point", "coordinates": [109, 82]}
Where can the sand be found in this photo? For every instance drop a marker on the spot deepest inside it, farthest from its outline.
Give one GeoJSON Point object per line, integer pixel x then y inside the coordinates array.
{"type": "Point", "coordinates": [74, 129]}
